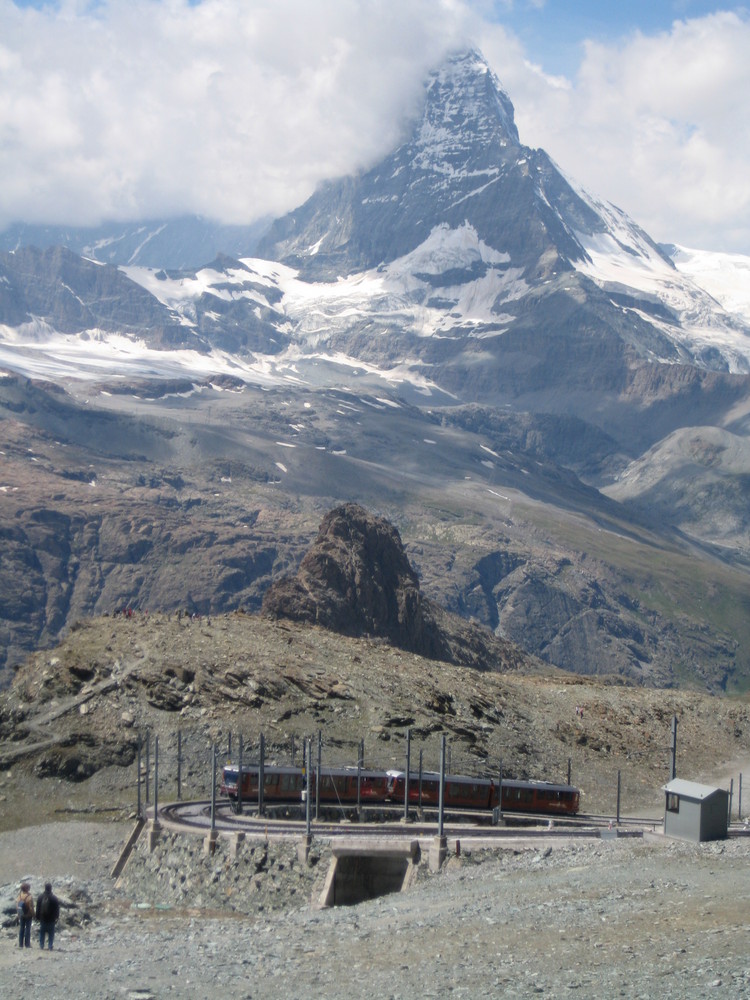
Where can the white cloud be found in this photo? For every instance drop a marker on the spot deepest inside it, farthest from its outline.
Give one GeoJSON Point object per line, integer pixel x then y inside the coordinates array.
{"type": "Point", "coordinates": [659, 125]}
{"type": "Point", "coordinates": [132, 108]}
{"type": "Point", "coordinates": [226, 108]}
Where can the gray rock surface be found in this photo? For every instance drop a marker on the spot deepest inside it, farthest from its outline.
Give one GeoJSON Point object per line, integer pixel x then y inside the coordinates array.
{"type": "Point", "coordinates": [623, 918]}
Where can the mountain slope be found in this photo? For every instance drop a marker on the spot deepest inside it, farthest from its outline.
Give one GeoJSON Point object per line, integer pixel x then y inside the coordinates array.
{"type": "Point", "coordinates": [175, 243]}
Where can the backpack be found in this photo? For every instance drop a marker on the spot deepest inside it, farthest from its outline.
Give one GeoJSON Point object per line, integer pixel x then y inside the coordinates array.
{"type": "Point", "coordinates": [24, 907]}
{"type": "Point", "coordinates": [46, 909]}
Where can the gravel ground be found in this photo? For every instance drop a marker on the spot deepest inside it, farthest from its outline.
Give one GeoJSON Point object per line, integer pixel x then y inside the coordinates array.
{"type": "Point", "coordinates": [553, 917]}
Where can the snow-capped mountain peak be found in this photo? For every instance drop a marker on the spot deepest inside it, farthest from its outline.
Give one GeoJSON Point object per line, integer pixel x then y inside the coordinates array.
{"type": "Point", "coordinates": [460, 235]}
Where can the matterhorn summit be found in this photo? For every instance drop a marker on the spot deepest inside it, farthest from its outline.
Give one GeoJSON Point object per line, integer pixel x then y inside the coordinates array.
{"type": "Point", "coordinates": [462, 164]}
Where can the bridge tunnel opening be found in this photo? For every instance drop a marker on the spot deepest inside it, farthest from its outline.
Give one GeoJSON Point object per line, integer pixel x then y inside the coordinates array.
{"type": "Point", "coordinates": [358, 873]}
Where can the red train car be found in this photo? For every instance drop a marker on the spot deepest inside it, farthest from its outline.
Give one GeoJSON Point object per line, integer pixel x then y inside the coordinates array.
{"type": "Point", "coordinates": [337, 785]}
{"type": "Point", "coordinates": [481, 793]}
{"type": "Point", "coordinates": [279, 783]}
{"type": "Point", "coordinates": [540, 797]}
{"type": "Point", "coordinates": [460, 792]}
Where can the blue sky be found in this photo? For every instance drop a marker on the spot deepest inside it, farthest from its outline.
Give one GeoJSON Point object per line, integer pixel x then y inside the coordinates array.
{"type": "Point", "coordinates": [235, 109]}
{"type": "Point", "coordinates": [553, 32]}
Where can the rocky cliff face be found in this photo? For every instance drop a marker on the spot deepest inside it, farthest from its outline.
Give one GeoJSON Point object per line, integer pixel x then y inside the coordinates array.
{"type": "Point", "coordinates": [59, 289]}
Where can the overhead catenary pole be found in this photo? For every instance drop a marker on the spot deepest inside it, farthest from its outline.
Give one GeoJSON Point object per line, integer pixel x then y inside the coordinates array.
{"type": "Point", "coordinates": [673, 768]}
{"type": "Point", "coordinates": [156, 779]}
{"type": "Point", "coordinates": [239, 776]}
{"type": "Point", "coordinates": [138, 781]}
{"type": "Point", "coordinates": [317, 775]}
{"type": "Point", "coordinates": [359, 781]}
{"type": "Point", "coordinates": [179, 765]}
{"type": "Point", "coordinates": [156, 776]}
{"type": "Point", "coordinates": [618, 799]}
{"type": "Point", "coordinates": [739, 797]}
{"type": "Point", "coordinates": [213, 787]}
{"type": "Point", "coordinates": [420, 781]}
{"type": "Point", "coordinates": [731, 791]}
{"type": "Point", "coordinates": [308, 805]}
{"type": "Point", "coordinates": [148, 765]}
{"type": "Point", "coordinates": [441, 793]}
{"type": "Point", "coordinates": [406, 779]}
{"type": "Point", "coordinates": [261, 774]}
{"type": "Point", "coordinates": [500, 793]}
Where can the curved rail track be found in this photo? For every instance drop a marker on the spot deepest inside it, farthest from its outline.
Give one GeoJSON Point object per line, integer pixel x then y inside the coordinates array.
{"type": "Point", "coordinates": [195, 816]}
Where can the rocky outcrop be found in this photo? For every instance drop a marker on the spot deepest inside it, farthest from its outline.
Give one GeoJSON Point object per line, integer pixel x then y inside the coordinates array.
{"type": "Point", "coordinates": [356, 580]}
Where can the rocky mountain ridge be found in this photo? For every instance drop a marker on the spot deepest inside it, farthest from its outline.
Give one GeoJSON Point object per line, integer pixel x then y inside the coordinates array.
{"type": "Point", "coordinates": [70, 723]}
{"type": "Point", "coordinates": [459, 340]}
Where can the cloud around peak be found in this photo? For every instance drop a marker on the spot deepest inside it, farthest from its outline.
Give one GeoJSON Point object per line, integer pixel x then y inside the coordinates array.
{"type": "Point", "coordinates": [141, 108]}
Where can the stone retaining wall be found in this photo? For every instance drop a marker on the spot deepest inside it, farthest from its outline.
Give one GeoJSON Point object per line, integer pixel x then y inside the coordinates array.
{"type": "Point", "coordinates": [264, 876]}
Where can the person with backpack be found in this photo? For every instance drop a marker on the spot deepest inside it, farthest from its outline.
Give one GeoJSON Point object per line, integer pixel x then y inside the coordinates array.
{"type": "Point", "coordinates": [47, 913]}
{"type": "Point", "coordinates": [25, 910]}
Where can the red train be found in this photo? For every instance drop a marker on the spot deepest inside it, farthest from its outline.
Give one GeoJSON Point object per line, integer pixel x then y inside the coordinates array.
{"type": "Point", "coordinates": [339, 786]}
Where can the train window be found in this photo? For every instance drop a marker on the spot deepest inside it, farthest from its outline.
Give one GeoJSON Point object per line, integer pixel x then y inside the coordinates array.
{"type": "Point", "coordinates": [673, 802]}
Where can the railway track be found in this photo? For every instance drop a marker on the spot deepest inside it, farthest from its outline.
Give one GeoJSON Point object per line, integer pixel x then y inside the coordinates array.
{"type": "Point", "coordinates": [196, 817]}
